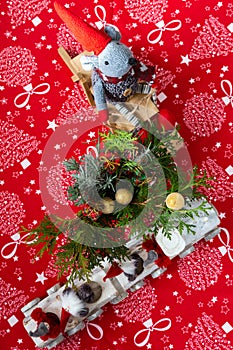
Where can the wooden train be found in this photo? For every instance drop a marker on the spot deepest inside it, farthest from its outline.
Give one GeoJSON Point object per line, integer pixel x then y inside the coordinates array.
{"type": "Point", "coordinates": [115, 289]}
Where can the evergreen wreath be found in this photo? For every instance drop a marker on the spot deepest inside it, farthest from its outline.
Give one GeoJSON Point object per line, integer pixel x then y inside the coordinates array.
{"type": "Point", "coordinates": [110, 190]}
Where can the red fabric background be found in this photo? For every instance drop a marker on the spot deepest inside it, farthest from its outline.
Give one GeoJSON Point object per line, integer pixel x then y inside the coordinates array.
{"type": "Point", "coordinates": [194, 67]}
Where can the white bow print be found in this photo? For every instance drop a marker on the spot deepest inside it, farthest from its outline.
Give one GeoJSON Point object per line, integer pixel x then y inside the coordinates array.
{"type": "Point", "coordinates": [161, 27]}
{"type": "Point", "coordinates": [17, 240]}
{"type": "Point", "coordinates": [150, 327]}
{"type": "Point", "coordinates": [226, 248]}
{"type": "Point", "coordinates": [229, 97]}
{"type": "Point", "coordinates": [96, 326]}
{"type": "Point", "coordinates": [102, 18]}
{"type": "Point", "coordinates": [29, 90]}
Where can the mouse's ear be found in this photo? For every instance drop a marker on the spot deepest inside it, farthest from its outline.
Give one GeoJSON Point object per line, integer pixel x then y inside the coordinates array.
{"type": "Point", "coordinates": [113, 33]}
{"type": "Point", "coordinates": [89, 62]}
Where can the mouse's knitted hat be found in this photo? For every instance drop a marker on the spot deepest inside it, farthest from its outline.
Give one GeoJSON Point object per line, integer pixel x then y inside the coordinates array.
{"type": "Point", "coordinates": [89, 37]}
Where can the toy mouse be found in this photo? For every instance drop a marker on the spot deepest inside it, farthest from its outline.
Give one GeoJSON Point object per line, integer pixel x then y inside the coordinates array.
{"type": "Point", "coordinates": [72, 303]}
{"type": "Point", "coordinates": [48, 324]}
{"type": "Point", "coordinates": [116, 73]}
{"type": "Point", "coordinates": [131, 267]}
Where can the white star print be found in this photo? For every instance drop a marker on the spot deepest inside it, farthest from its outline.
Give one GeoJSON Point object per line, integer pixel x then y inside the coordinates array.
{"type": "Point", "coordinates": [225, 68]}
{"type": "Point", "coordinates": [52, 125]}
{"type": "Point", "coordinates": [41, 277]}
{"type": "Point", "coordinates": [91, 134]}
{"type": "Point", "coordinates": [185, 59]}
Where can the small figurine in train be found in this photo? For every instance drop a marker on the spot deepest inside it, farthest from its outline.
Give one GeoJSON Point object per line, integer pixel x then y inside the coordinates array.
{"type": "Point", "coordinates": [132, 267]}
{"type": "Point", "coordinates": [48, 324]}
{"type": "Point", "coordinates": [73, 304]}
{"type": "Point", "coordinates": [116, 73]}
{"type": "Point", "coordinates": [74, 301]}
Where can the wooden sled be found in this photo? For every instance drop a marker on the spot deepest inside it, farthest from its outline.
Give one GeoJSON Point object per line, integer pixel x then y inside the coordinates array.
{"type": "Point", "coordinates": [124, 116]}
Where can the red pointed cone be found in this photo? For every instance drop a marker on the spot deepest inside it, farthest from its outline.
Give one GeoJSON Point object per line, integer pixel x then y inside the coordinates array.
{"type": "Point", "coordinates": [65, 315]}
{"type": "Point", "coordinates": [90, 38]}
{"type": "Point", "coordinates": [113, 271]}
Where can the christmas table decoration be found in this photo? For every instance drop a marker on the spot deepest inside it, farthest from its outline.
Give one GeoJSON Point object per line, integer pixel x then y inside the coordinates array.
{"type": "Point", "coordinates": [121, 163]}
{"type": "Point", "coordinates": [47, 118]}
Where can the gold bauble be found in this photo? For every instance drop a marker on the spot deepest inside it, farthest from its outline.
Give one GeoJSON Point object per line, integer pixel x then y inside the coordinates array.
{"type": "Point", "coordinates": [123, 196]}
{"type": "Point", "coordinates": [107, 205]}
{"type": "Point", "coordinates": [175, 201]}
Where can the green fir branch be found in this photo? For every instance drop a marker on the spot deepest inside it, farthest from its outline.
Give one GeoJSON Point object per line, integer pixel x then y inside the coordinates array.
{"type": "Point", "coordinates": [119, 141]}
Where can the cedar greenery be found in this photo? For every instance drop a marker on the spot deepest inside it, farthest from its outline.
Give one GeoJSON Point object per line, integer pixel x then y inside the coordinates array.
{"type": "Point", "coordinates": [122, 162]}
{"type": "Point", "coordinates": [74, 257]}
